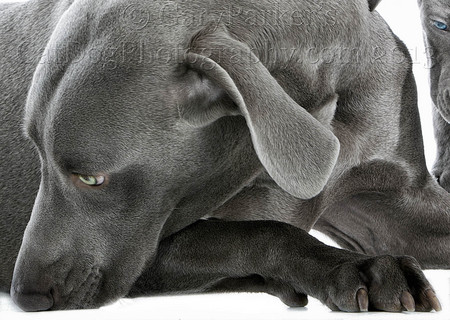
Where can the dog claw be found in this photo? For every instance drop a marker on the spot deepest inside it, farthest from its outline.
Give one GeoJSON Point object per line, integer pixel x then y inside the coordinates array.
{"type": "Point", "coordinates": [363, 300]}
{"type": "Point", "coordinates": [433, 300]}
{"type": "Point", "coordinates": [407, 301]}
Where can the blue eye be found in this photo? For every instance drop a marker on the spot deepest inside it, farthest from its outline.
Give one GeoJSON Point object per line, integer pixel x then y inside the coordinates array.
{"type": "Point", "coordinates": [440, 25]}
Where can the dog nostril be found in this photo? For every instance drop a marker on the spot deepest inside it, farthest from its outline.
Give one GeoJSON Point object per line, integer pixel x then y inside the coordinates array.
{"type": "Point", "coordinates": [32, 301]}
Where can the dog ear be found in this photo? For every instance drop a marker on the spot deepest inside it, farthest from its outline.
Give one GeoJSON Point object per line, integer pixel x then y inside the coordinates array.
{"type": "Point", "coordinates": [295, 149]}
{"type": "Point", "coordinates": [373, 4]}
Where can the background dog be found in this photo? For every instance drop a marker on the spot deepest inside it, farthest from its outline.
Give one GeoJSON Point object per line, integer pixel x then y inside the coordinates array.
{"type": "Point", "coordinates": [436, 26]}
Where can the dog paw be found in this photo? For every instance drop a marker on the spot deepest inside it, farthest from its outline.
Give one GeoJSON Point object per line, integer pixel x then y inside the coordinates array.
{"type": "Point", "coordinates": [383, 283]}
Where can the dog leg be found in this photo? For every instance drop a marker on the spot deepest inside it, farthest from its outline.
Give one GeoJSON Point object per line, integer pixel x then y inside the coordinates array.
{"type": "Point", "coordinates": [216, 255]}
{"type": "Point", "coordinates": [255, 283]}
{"type": "Point", "coordinates": [441, 169]}
{"type": "Point", "coordinates": [401, 219]}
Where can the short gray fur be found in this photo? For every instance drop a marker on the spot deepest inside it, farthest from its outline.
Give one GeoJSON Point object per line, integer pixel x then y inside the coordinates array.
{"type": "Point", "coordinates": [223, 137]}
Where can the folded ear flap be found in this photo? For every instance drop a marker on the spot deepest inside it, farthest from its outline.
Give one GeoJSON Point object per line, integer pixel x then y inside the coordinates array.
{"type": "Point", "coordinates": [295, 149]}
{"type": "Point", "coordinates": [373, 4]}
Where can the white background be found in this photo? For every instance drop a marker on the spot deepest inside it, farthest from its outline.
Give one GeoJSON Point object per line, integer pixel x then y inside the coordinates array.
{"type": "Point", "coordinates": [403, 17]}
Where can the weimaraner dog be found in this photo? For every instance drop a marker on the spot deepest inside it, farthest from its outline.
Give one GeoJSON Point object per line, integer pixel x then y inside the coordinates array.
{"type": "Point", "coordinates": [436, 24]}
{"type": "Point", "coordinates": [154, 147]}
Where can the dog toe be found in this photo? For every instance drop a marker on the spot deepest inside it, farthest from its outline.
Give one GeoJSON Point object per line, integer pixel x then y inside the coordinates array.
{"type": "Point", "coordinates": [384, 283]}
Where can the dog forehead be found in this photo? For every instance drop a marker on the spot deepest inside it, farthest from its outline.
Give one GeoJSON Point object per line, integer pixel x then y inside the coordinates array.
{"type": "Point", "coordinates": [435, 6]}
{"type": "Point", "coordinates": [156, 21]}
{"type": "Point", "coordinates": [102, 102]}
{"type": "Point", "coordinates": [109, 118]}
{"type": "Point", "coordinates": [93, 68]}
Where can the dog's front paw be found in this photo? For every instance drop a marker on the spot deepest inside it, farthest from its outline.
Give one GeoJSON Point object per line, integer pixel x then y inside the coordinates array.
{"type": "Point", "coordinates": [383, 283]}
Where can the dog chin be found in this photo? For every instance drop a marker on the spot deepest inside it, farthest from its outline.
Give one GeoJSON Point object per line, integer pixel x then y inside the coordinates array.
{"type": "Point", "coordinates": [86, 295]}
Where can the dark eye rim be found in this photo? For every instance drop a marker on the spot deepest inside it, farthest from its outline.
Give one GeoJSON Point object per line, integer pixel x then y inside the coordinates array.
{"type": "Point", "coordinates": [437, 22]}
{"type": "Point", "coordinates": [75, 177]}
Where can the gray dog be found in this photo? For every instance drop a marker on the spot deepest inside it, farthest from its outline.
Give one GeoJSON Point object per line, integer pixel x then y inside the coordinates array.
{"type": "Point", "coordinates": [185, 146]}
{"type": "Point", "coordinates": [436, 24]}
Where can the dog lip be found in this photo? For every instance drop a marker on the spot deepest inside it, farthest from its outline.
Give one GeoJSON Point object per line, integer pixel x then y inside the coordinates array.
{"type": "Point", "coordinates": [83, 295]}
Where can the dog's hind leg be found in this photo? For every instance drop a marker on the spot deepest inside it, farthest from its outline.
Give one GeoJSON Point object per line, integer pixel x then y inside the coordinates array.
{"type": "Point", "coordinates": [386, 201]}
{"type": "Point", "coordinates": [399, 220]}
{"type": "Point", "coordinates": [215, 255]}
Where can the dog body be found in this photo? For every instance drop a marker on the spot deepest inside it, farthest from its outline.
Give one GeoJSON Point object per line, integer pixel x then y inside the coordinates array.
{"type": "Point", "coordinates": [435, 23]}
{"type": "Point", "coordinates": [187, 111]}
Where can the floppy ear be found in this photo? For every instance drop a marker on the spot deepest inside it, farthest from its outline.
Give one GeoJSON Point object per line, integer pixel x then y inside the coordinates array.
{"type": "Point", "coordinates": [295, 149]}
{"type": "Point", "coordinates": [373, 4]}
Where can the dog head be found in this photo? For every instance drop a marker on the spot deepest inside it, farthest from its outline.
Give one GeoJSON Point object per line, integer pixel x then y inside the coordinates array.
{"type": "Point", "coordinates": [435, 16]}
{"type": "Point", "coordinates": [132, 151]}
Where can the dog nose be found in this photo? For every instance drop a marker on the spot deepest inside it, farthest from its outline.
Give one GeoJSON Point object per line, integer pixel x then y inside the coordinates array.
{"type": "Point", "coordinates": [32, 300]}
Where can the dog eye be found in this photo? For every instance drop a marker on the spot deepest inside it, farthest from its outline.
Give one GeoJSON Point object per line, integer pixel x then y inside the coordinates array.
{"type": "Point", "coordinates": [440, 25]}
{"type": "Point", "coordinates": [93, 181]}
